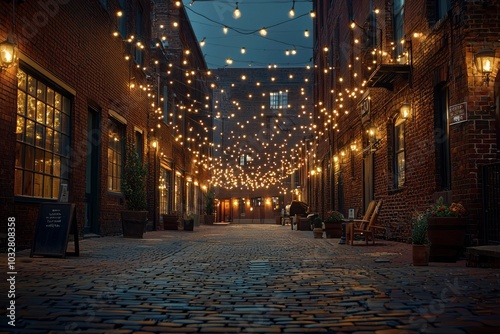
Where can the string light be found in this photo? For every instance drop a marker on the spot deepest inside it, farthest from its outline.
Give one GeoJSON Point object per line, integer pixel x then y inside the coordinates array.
{"type": "Point", "coordinates": [291, 13]}
{"type": "Point", "coordinates": [237, 12]}
{"type": "Point", "coordinates": [263, 31]}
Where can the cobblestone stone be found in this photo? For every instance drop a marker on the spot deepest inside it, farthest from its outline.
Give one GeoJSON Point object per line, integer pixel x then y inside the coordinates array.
{"type": "Point", "coordinates": [248, 279]}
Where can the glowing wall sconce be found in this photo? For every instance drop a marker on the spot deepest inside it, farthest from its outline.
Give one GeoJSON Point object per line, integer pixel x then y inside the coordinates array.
{"type": "Point", "coordinates": [484, 61]}
{"type": "Point", "coordinates": [372, 134]}
{"type": "Point", "coordinates": [8, 52]}
{"type": "Point", "coordinates": [405, 111]}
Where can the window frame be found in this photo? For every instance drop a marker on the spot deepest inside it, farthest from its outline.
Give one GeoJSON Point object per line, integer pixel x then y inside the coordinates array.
{"type": "Point", "coordinates": [59, 108]}
{"type": "Point", "coordinates": [115, 174]}
{"type": "Point", "coordinates": [398, 26]}
{"type": "Point", "coordinates": [278, 100]}
{"type": "Point", "coordinates": [399, 149]}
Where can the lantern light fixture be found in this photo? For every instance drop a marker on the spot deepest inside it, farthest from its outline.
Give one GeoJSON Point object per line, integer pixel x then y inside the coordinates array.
{"type": "Point", "coordinates": [484, 61]}
{"type": "Point", "coordinates": [8, 52]}
{"type": "Point", "coordinates": [405, 111]}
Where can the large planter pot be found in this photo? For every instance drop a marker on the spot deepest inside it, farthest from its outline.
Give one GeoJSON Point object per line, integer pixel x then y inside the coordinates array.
{"type": "Point", "coordinates": [447, 237]}
{"type": "Point", "coordinates": [333, 229]}
{"type": "Point", "coordinates": [318, 232]}
{"type": "Point", "coordinates": [170, 222]}
{"type": "Point", "coordinates": [188, 224]}
{"type": "Point", "coordinates": [134, 223]}
{"type": "Point", "coordinates": [420, 255]}
{"type": "Point", "coordinates": [209, 219]}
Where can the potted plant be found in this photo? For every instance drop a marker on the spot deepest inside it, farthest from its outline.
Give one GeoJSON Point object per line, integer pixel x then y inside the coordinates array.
{"type": "Point", "coordinates": [446, 230]}
{"type": "Point", "coordinates": [420, 241]}
{"type": "Point", "coordinates": [188, 222]}
{"type": "Point", "coordinates": [317, 228]}
{"type": "Point", "coordinates": [134, 219]}
{"type": "Point", "coordinates": [333, 224]}
{"type": "Point", "coordinates": [209, 207]}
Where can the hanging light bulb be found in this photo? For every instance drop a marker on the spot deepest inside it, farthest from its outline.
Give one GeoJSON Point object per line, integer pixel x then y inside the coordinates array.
{"type": "Point", "coordinates": [306, 33]}
{"type": "Point", "coordinates": [291, 13]}
{"type": "Point", "coordinates": [225, 29]}
{"type": "Point", "coordinates": [287, 52]}
{"type": "Point", "coordinates": [243, 50]}
{"type": "Point", "coordinates": [237, 12]}
{"type": "Point", "coordinates": [263, 31]}
{"type": "Point", "coordinates": [202, 43]}
{"type": "Point", "coordinates": [229, 61]}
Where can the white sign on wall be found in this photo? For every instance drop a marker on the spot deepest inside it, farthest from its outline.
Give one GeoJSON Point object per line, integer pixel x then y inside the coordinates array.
{"type": "Point", "coordinates": [457, 113]}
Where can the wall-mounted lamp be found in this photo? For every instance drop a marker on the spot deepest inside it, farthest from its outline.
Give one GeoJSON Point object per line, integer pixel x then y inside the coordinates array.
{"type": "Point", "coordinates": [8, 52]}
{"type": "Point", "coordinates": [484, 61]}
{"type": "Point", "coordinates": [154, 144]}
{"type": "Point", "coordinates": [372, 134]}
{"type": "Point", "coordinates": [405, 111]}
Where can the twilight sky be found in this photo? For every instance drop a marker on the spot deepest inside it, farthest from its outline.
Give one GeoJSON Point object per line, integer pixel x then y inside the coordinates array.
{"type": "Point", "coordinates": [209, 17]}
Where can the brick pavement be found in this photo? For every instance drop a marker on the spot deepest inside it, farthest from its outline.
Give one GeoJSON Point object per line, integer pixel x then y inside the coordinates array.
{"type": "Point", "coordinates": [248, 279]}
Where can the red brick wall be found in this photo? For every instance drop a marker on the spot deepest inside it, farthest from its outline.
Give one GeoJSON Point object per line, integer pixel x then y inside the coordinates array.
{"type": "Point", "coordinates": [442, 53]}
{"type": "Point", "coordinates": [73, 41]}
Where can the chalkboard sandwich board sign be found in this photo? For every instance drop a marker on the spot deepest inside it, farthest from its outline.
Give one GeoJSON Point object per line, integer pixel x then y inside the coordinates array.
{"type": "Point", "coordinates": [52, 230]}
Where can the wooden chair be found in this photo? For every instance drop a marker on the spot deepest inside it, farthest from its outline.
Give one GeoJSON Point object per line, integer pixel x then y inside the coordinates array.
{"type": "Point", "coordinates": [366, 226]}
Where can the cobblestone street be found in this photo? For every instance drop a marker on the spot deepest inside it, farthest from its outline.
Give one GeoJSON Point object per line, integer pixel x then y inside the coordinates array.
{"type": "Point", "coordinates": [248, 279]}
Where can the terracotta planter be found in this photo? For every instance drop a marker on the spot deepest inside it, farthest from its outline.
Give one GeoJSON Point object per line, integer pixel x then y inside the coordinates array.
{"type": "Point", "coordinates": [333, 229]}
{"type": "Point", "coordinates": [420, 255]}
{"type": "Point", "coordinates": [134, 223]}
{"type": "Point", "coordinates": [318, 232]}
{"type": "Point", "coordinates": [447, 237]}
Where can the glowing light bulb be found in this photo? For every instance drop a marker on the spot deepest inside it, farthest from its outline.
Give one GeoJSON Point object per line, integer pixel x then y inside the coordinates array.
{"type": "Point", "coordinates": [237, 12]}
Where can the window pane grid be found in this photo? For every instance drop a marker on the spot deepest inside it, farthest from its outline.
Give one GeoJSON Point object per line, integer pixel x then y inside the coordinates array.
{"type": "Point", "coordinates": [39, 150]}
{"type": "Point", "coordinates": [115, 155]}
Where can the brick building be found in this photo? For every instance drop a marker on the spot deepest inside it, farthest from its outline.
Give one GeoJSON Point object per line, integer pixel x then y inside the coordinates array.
{"type": "Point", "coordinates": [87, 81]}
{"type": "Point", "coordinates": [260, 116]}
{"type": "Point", "coordinates": [404, 114]}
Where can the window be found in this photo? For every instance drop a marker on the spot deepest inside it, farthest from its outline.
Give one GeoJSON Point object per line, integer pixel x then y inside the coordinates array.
{"type": "Point", "coordinates": [442, 8]}
{"type": "Point", "coordinates": [398, 19]}
{"type": "Point", "coordinates": [122, 21]}
{"type": "Point", "coordinates": [116, 154]}
{"type": "Point", "coordinates": [42, 137]}
{"type": "Point", "coordinates": [441, 137]}
{"type": "Point", "coordinates": [104, 4]}
{"type": "Point", "coordinates": [245, 159]}
{"type": "Point", "coordinates": [276, 203]}
{"type": "Point", "coordinates": [178, 193]}
{"type": "Point", "coordinates": [399, 153]}
{"type": "Point", "coordinates": [278, 100]}
{"type": "Point", "coordinates": [164, 184]}
{"type": "Point", "coordinates": [138, 32]}
{"type": "Point", "coordinates": [139, 145]}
